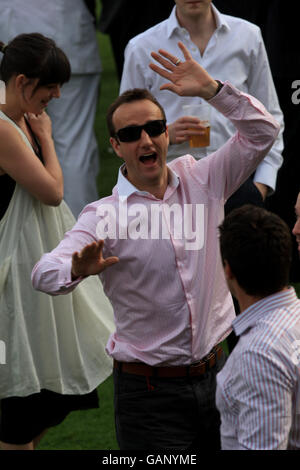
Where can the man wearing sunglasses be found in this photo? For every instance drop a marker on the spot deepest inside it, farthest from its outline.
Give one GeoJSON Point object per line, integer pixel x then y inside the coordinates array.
{"type": "Point", "coordinates": [142, 147]}
{"type": "Point", "coordinates": [171, 303]}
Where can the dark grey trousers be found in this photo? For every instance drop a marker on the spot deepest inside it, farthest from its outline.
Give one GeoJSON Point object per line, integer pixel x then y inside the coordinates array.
{"type": "Point", "coordinates": [167, 413]}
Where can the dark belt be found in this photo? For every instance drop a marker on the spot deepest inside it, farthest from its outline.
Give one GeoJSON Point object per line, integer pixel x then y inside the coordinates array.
{"type": "Point", "coordinates": [198, 368]}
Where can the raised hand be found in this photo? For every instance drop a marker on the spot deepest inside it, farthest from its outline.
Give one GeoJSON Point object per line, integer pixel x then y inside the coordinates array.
{"type": "Point", "coordinates": [90, 260]}
{"type": "Point", "coordinates": [186, 78]}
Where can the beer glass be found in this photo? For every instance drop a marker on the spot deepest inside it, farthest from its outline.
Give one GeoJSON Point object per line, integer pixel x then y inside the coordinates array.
{"type": "Point", "coordinates": [201, 111]}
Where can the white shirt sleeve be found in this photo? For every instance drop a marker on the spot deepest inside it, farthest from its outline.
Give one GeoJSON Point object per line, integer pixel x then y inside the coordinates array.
{"type": "Point", "coordinates": [261, 86]}
{"type": "Point", "coordinates": [134, 69]}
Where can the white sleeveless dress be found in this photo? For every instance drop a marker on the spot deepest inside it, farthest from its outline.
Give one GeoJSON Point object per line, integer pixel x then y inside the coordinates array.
{"type": "Point", "coordinates": [54, 343]}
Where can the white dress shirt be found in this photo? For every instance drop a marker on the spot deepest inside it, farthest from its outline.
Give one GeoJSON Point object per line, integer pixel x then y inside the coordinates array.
{"type": "Point", "coordinates": [235, 52]}
{"type": "Point", "coordinates": [258, 389]}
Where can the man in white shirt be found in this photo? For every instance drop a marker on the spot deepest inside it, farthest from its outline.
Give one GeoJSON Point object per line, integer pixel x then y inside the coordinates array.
{"type": "Point", "coordinates": [224, 46]}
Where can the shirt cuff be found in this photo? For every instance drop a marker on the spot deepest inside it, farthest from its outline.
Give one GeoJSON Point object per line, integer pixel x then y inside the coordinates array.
{"type": "Point", "coordinates": [266, 174]}
{"type": "Point", "coordinates": [223, 101]}
{"type": "Point", "coordinates": [65, 277]}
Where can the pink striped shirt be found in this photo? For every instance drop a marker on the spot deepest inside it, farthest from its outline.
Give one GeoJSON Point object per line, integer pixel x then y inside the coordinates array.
{"type": "Point", "coordinates": [170, 298]}
{"type": "Point", "coordinates": [258, 389]}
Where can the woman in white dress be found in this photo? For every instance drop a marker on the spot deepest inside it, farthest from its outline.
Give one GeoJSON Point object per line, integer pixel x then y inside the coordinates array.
{"type": "Point", "coordinates": [54, 346]}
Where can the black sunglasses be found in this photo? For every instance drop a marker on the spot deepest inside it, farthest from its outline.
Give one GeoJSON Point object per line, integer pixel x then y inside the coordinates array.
{"type": "Point", "coordinates": [133, 133]}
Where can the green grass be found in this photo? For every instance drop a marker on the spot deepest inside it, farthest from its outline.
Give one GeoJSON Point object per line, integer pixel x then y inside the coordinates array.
{"type": "Point", "coordinates": [94, 429]}
{"type": "Point", "coordinates": [86, 429]}
{"type": "Point", "coordinates": [109, 90]}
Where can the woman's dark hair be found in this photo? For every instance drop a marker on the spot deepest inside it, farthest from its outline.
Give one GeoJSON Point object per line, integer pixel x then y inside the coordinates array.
{"type": "Point", "coordinates": [35, 56]}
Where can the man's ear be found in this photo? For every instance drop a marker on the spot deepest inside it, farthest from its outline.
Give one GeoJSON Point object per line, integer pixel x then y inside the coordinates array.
{"type": "Point", "coordinates": [167, 134]}
{"type": "Point", "coordinates": [116, 146]}
{"type": "Point", "coordinates": [227, 270]}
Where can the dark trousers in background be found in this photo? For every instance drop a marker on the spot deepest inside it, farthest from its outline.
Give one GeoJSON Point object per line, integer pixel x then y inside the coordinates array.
{"type": "Point", "coordinates": [154, 413]}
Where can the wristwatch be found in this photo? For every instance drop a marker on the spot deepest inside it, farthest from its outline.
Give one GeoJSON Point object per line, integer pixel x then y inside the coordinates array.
{"type": "Point", "coordinates": [220, 86]}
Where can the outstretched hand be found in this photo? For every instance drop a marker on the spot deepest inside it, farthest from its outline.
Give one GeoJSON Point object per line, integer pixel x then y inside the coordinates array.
{"type": "Point", "coordinates": [186, 78]}
{"type": "Point", "coordinates": [90, 260]}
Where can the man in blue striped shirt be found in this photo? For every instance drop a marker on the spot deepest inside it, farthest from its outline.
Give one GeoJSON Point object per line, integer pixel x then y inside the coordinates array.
{"type": "Point", "coordinates": [296, 229]}
{"type": "Point", "coordinates": [258, 391]}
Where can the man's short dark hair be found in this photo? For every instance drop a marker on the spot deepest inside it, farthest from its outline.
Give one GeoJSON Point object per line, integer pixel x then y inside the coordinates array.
{"type": "Point", "coordinates": [257, 245]}
{"type": "Point", "coordinates": [129, 96]}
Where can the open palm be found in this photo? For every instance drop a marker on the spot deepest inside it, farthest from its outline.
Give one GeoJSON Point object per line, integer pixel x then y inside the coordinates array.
{"type": "Point", "coordinates": [187, 78]}
{"type": "Point", "coordinates": [90, 260]}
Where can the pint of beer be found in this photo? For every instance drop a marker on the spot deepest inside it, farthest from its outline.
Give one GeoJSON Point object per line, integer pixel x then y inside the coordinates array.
{"type": "Point", "coordinates": [202, 111]}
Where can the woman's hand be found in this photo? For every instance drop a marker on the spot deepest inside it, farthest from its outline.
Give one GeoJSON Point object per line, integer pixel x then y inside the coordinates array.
{"type": "Point", "coordinates": [40, 125]}
{"type": "Point", "coordinates": [44, 180]}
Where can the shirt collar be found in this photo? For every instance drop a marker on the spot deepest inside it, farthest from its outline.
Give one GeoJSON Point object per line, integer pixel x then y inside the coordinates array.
{"type": "Point", "coordinates": [173, 25]}
{"type": "Point", "coordinates": [125, 188]}
{"type": "Point", "coordinates": [220, 19]}
{"type": "Point", "coordinates": [260, 309]}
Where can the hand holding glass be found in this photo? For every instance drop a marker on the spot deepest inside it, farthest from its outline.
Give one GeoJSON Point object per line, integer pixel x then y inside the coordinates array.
{"type": "Point", "coordinates": [201, 111]}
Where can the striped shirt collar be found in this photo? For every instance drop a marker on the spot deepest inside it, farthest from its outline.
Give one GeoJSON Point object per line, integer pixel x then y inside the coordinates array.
{"type": "Point", "coordinates": [173, 25]}
{"type": "Point", "coordinates": [260, 309]}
